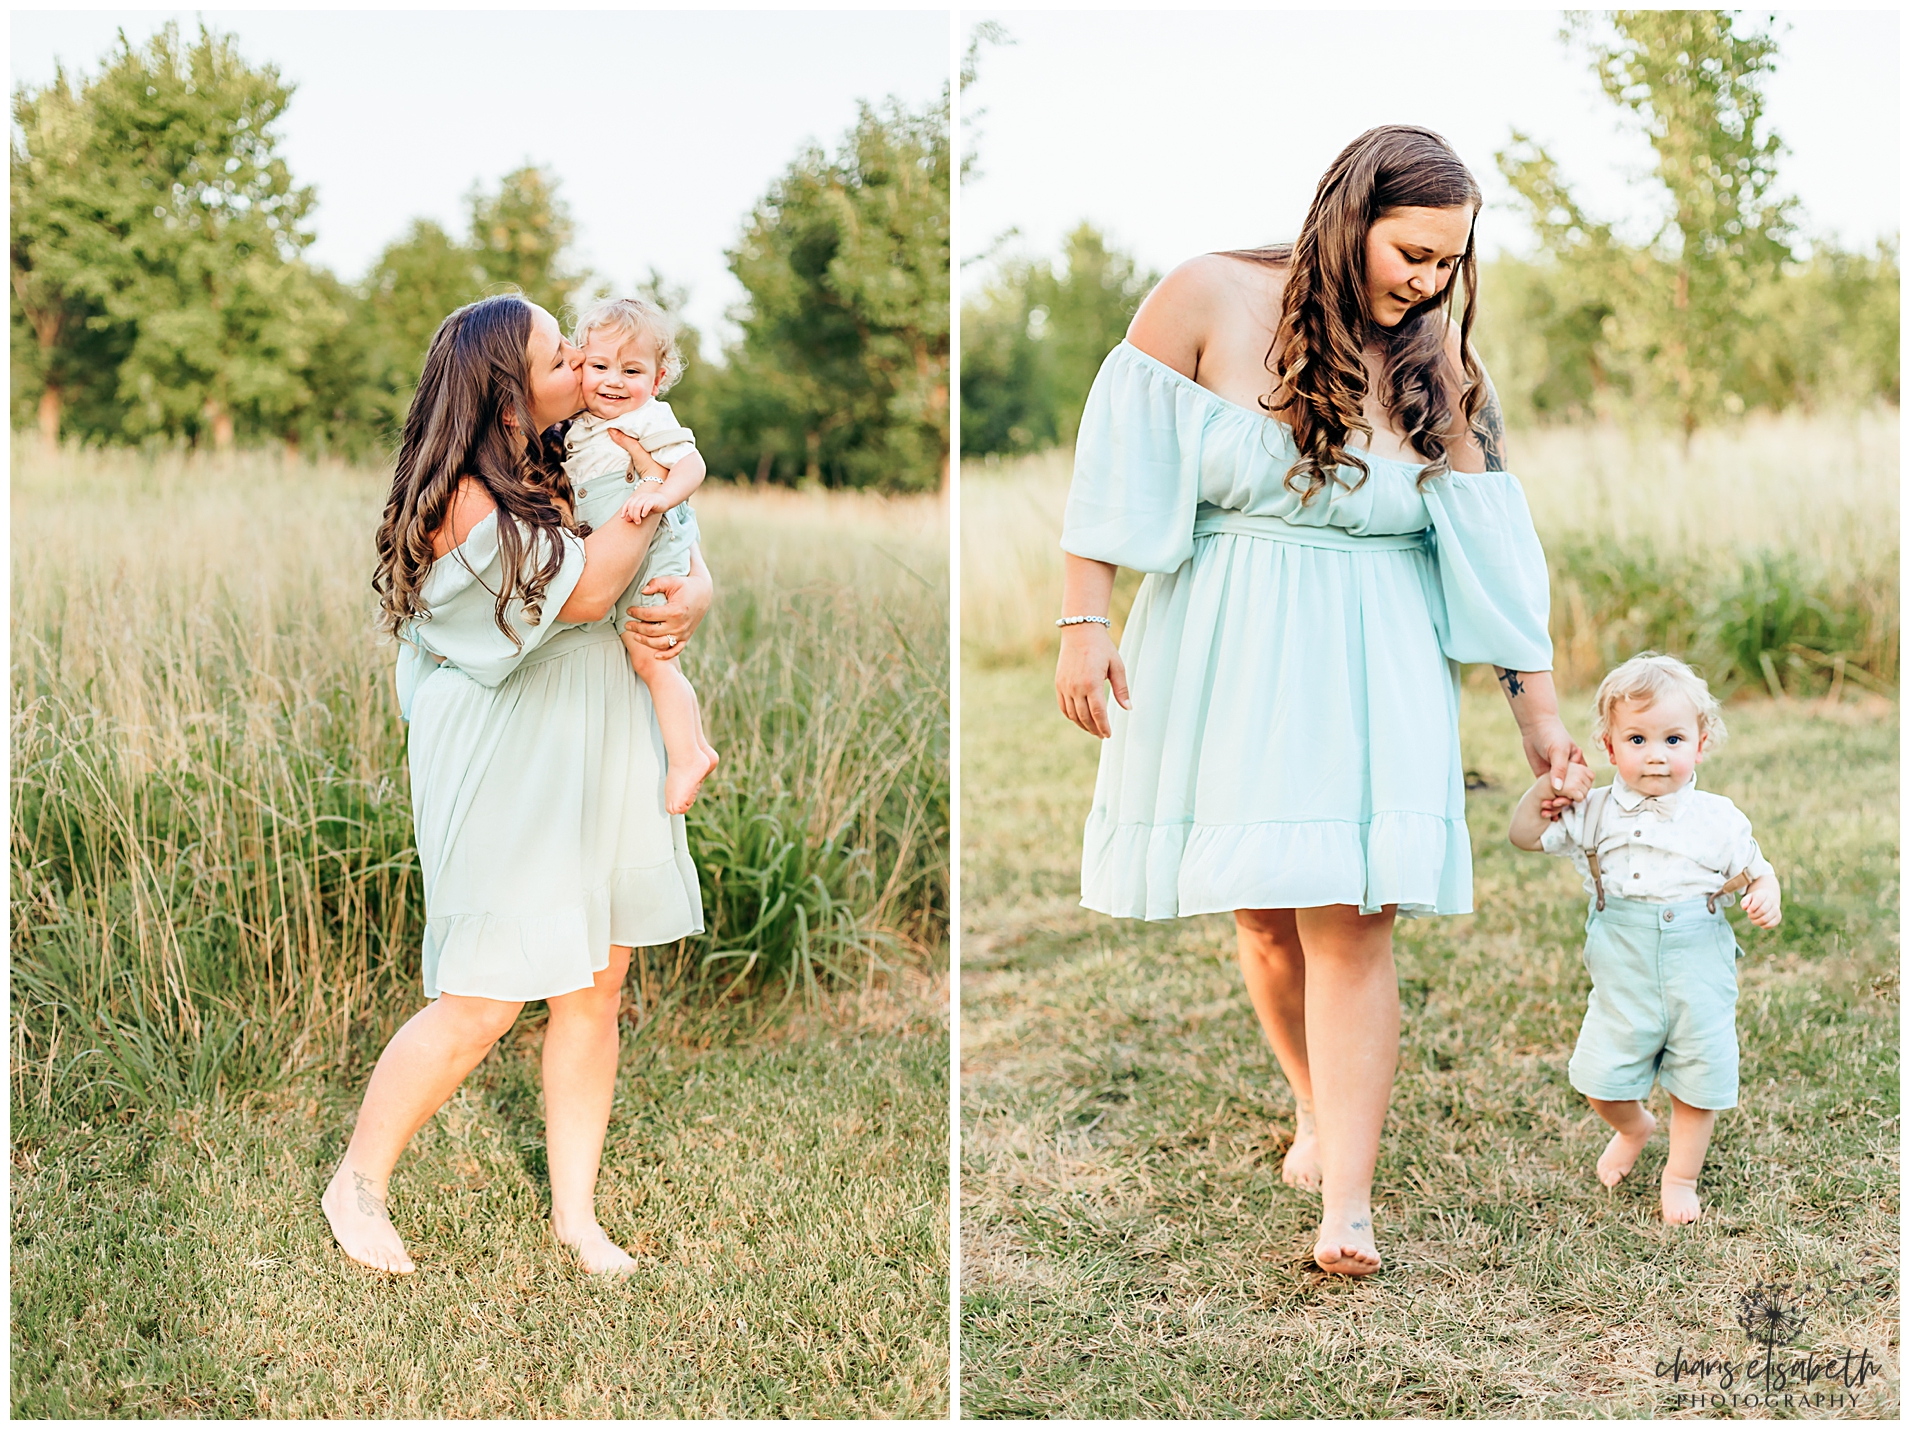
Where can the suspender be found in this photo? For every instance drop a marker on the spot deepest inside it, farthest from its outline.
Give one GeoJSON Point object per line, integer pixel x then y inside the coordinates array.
{"type": "Point", "coordinates": [1588, 841]}
{"type": "Point", "coordinates": [1588, 838]}
{"type": "Point", "coordinates": [1741, 880]}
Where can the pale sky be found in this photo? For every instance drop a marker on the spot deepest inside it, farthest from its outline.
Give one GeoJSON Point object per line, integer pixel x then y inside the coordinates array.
{"type": "Point", "coordinates": [665, 128]}
{"type": "Point", "coordinates": [1177, 134]}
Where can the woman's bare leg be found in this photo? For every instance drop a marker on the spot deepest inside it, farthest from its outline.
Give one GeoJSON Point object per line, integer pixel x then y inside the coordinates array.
{"type": "Point", "coordinates": [580, 1077]}
{"type": "Point", "coordinates": [1352, 1038]}
{"type": "Point", "coordinates": [1274, 969]}
{"type": "Point", "coordinates": [420, 1067]}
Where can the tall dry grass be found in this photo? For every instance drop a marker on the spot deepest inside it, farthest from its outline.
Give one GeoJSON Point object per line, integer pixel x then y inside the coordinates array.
{"type": "Point", "coordinates": [1767, 551]}
{"type": "Point", "coordinates": [212, 873]}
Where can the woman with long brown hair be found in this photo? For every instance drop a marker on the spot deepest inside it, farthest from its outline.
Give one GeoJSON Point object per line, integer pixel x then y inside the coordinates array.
{"type": "Point", "coordinates": [1300, 447]}
{"type": "Point", "coordinates": [536, 773]}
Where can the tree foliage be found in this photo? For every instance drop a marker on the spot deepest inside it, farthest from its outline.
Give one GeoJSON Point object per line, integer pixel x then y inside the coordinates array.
{"type": "Point", "coordinates": [160, 293]}
{"type": "Point", "coordinates": [174, 226]}
{"type": "Point", "coordinates": [1034, 338]}
{"type": "Point", "coordinates": [1712, 313]}
{"type": "Point", "coordinates": [840, 375]}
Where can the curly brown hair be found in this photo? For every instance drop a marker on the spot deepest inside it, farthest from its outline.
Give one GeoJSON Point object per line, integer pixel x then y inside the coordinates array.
{"type": "Point", "coordinates": [1316, 356]}
{"type": "Point", "coordinates": [476, 370]}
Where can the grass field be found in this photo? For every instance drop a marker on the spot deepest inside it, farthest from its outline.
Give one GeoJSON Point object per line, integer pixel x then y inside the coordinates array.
{"type": "Point", "coordinates": [211, 866]}
{"type": "Point", "coordinates": [215, 920]}
{"type": "Point", "coordinates": [1129, 1249]}
{"type": "Point", "coordinates": [785, 1192]}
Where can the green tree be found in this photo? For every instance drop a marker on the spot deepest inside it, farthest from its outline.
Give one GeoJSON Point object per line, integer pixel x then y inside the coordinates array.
{"type": "Point", "coordinates": [841, 372]}
{"type": "Point", "coordinates": [519, 237]}
{"type": "Point", "coordinates": [1034, 338]}
{"type": "Point", "coordinates": [56, 251]}
{"type": "Point", "coordinates": [406, 293]}
{"type": "Point", "coordinates": [210, 228]}
{"type": "Point", "coordinates": [1675, 317]}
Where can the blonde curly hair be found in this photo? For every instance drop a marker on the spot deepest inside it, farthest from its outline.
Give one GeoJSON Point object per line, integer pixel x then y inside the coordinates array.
{"type": "Point", "coordinates": [634, 318]}
{"type": "Point", "coordinates": [1646, 679]}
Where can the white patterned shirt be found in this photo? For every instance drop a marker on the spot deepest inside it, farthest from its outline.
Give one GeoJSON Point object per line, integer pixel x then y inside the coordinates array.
{"type": "Point", "coordinates": [590, 452]}
{"type": "Point", "coordinates": [1660, 849]}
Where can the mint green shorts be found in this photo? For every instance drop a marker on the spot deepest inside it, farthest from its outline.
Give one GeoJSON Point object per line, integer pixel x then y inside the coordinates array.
{"type": "Point", "coordinates": [1663, 1004]}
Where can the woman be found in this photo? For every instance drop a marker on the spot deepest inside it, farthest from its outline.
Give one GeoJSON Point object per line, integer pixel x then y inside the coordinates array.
{"type": "Point", "coordinates": [536, 766]}
{"type": "Point", "coordinates": [1291, 753]}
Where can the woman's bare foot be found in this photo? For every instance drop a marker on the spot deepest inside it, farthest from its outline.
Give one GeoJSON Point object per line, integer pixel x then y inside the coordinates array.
{"type": "Point", "coordinates": [684, 778]}
{"type": "Point", "coordinates": [1346, 1247]}
{"type": "Point", "coordinates": [596, 1252]}
{"type": "Point", "coordinates": [355, 1206]}
{"type": "Point", "coordinates": [1621, 1153]}
{"type": "Point", "coordinates": [1302, 1166]}
{"type": "Point", "coordinates": [1678, 1197]}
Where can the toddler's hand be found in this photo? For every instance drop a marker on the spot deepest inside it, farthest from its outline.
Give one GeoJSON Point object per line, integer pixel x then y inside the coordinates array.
{"type": "Point", "coordinates": [1578, 783]}
{"type": "Point", "coordinates": [1761, 903]}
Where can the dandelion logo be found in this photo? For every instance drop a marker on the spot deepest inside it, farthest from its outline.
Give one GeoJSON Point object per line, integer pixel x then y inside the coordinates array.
{"type": "Point", "coordinates": [1772, 1314]}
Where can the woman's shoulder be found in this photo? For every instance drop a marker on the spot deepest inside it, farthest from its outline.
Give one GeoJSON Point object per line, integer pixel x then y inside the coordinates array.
{"type": "Point", "coordinates": [470, 504]}
{"type": "Point", "coordinates": [1200, 301]}
{"type": "Point", "coordinates": [1211, 281]}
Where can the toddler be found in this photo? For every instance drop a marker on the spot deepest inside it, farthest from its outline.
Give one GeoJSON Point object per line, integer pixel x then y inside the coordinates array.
{"type": "Point", "coordinates": [631, 356]}
{"type": "Point", "coordinates": [1660, 858]}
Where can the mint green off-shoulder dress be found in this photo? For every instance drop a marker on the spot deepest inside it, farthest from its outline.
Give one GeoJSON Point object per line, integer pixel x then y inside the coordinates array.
{"type": "Point", "coordinates": [1293, 668]}
{"type": "Point", "coordinates": [536, 787]}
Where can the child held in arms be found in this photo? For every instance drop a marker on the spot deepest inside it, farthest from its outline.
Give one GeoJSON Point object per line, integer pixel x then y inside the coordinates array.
{"type": "Point", "coordinates": [630, 358]}
{"type": "Point", "coordinates": [1661, 859]}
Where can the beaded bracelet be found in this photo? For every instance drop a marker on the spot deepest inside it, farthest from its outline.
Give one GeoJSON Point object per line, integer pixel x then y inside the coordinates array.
{"type": "Point", "coordinates": [1084, 620]}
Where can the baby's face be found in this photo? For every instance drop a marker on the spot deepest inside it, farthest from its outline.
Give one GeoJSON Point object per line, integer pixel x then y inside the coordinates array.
{"type": "Point", "coordinates": [620, 373]}
{"type": "Point", "coordinates": [1655, 746]}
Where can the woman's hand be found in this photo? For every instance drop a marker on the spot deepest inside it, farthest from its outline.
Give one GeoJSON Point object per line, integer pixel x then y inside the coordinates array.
{"type": "Point", "coordinates": [1552, 753]}
{"type": "Point", "coordinates": [1549, 750]}
{"type": "Point", "coordinates": [1088, 662]}
{"type": "Point", "coordinates": [666, 628]}
{"type": "Point", "coordinates": [648, 467]}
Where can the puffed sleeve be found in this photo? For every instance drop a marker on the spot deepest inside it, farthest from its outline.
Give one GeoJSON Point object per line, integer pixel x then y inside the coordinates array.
{"type": "Point", "coordinates": [1741, 852]}
{"type": "Point", "coordinates": [1498, 600]}
{"type": "Point", "coordinates": [460, 594]}
{"type": "Point", "coordinates": [654, 425]}
{"type": "Point", "coordinates": [1136, 466]}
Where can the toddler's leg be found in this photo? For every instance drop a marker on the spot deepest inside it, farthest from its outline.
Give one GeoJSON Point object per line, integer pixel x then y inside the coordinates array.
{"type": "Point", "coordinates": [691, 758]}
{"type": "Point", "coordinates": [1632, 1127]}
{"type": "Point", "coordinates": [1690, 1138]}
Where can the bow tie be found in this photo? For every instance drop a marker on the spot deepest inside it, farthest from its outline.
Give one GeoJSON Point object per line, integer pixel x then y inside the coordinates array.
{"type": "Point", "coordinates": [1662, 805]}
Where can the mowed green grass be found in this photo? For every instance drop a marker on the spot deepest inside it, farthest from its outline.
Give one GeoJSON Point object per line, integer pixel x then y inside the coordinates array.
{"type": "Point", "coordinates": [1129, 1249]}
{"type": "Point", "coordinates": [785, 1191]}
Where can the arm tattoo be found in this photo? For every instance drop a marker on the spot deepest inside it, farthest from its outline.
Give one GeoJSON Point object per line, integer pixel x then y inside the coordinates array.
{"type": "Point", "coordinates": [1489, 427]}
{"type": "Point", "coordinates": [1510, 680]}
{"type": "Point", "coordinates": [369, 1202]}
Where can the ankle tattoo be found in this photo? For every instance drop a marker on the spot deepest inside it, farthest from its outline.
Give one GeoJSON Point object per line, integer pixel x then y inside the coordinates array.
{"type": "Point", "coordinates": [369, 1202]}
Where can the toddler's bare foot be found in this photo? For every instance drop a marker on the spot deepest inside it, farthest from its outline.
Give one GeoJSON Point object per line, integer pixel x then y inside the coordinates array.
{"type": "Point", "coordinates": [355, 1206]}
{"type": "Point", "coordinates": [1621, 1153]}
{"type": "Point", "coordinates": [684, 778]}
{"type": "Point", "coordinates": [1678, 1196]}
{"type": "Point", "coordinates": [1302, 1166]}
{"type": "Point", "coordinates": [1346, 1247]}
{"type": "Point", "coordinates": [597, 1253]}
